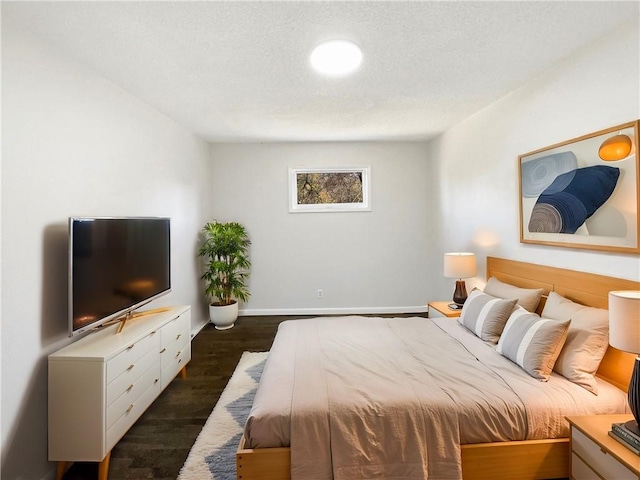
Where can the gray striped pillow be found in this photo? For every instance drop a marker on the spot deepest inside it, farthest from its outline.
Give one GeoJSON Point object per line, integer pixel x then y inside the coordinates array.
{"type": "Point", "coordinates": [532, 342]}
{"type": "Point", "coordinates": [485, 315]}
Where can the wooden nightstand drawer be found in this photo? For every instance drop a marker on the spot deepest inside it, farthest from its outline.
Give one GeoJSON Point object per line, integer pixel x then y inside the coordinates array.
{"type": "Point", "coordinates": [601, 462]}
{"type": "Point", "coordinates": [580, 470]}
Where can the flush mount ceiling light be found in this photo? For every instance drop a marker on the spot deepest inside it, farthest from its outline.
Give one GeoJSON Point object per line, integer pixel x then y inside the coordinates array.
{"type": "Point", "coordinates": [336, 57]}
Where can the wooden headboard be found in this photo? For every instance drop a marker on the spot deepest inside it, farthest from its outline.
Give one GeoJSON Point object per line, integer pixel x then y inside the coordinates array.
{"type": "Point", "coordinates": [586, 288]}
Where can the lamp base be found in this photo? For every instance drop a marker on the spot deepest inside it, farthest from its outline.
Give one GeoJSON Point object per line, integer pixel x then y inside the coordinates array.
{"type": "Point", "coordinates": [633, 427]}
{"type": "Point", "coordinates": [460, 293]}
{"type": "Point", "coordinates": [634, 393]}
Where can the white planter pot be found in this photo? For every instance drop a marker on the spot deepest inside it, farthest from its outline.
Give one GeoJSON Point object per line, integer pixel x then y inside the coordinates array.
{"type": "Point", "coordinates": [223, 317]}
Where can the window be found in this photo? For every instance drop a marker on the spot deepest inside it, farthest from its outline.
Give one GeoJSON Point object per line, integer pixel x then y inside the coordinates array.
{"type": "Point", "coordinates": [329, 189]}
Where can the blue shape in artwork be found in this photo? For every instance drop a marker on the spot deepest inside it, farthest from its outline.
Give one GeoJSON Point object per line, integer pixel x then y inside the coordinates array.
{"type": "Point", "coordinates": [572, 198]}
{"type": "Point", "coordinates": [570, 211]}
{"type": "Point", "coordinates": [539, 173]}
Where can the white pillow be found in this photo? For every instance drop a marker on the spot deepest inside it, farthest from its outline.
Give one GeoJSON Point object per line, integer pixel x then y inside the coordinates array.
{"type": "Point", "coordinates": [528, 298]}
{"type": "Point", "coordinates": [485, 315]}
{"type": "Point", "coordinates": [532, 342]}
{"type": "Point", "coordinates": [587, 339]}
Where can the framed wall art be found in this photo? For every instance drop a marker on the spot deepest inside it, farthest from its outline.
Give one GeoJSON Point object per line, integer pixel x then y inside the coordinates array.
{"type": "Point", "coordinates": [583, 193]}
{"type": "Point", "coordinates": [336, 189]}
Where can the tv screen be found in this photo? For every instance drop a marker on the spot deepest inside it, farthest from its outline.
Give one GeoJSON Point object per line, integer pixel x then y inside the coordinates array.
{"type": "Point", "coordinates": [115, 266]}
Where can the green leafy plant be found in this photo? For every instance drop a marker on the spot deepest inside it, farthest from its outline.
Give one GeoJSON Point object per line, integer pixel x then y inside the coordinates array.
{"type": "Point", "coordinates": [226, 251]}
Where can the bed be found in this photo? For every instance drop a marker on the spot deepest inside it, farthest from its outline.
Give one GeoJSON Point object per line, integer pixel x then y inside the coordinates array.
{"type": "Point", "coordinates": [528, 458]}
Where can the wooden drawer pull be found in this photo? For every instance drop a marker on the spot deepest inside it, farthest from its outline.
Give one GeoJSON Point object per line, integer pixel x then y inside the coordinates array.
{"type": "Point", "coordinates": [130, 387]}
{"type": "Point", "coordinates": [131, 346]}
{"type": "Point", "coordinates": [129, 409]}
{"type": "Point", "coordinates": [130, 367]}
{"type": "Point", "coordinates": [163, 350]}
{"type": "Point", "coordinates": [178, 336]}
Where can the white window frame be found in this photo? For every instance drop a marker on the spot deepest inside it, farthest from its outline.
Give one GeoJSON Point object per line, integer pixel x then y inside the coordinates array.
{"type": "Point", "coordinates": [364, 206]}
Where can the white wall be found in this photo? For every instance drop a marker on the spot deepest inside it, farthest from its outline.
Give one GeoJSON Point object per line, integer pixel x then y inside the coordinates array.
{"type": "Point", "coordinates": [374, 261]}
{"type": "Point", "coordinates": [477, 159]}
{"type": "Point", "coordinates": [75, 144]}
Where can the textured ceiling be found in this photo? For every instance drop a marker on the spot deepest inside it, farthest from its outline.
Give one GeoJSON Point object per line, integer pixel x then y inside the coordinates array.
{"type": "Point", "coordinates": [239, 71]}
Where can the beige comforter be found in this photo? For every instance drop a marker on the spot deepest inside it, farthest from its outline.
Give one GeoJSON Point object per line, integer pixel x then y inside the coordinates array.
{"type": "Point", "coordinates": [359, 398]}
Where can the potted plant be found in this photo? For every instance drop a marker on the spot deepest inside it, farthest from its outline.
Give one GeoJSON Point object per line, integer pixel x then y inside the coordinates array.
{"type": "Point", "coordinates": [225, 248]}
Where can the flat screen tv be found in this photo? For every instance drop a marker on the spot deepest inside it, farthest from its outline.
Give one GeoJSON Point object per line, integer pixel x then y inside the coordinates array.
{"type": "Point", "coordinates": [116, 265]}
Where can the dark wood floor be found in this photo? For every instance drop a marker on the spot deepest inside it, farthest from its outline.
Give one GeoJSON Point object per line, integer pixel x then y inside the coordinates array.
{"type": "Point", "coordinates": [158, 444]}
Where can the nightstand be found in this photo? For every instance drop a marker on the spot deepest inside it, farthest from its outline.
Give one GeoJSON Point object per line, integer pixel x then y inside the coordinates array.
{"type": "Point", "coordinates": [443, 308]}
{"type": "Point", "coordinates": [595, 455]}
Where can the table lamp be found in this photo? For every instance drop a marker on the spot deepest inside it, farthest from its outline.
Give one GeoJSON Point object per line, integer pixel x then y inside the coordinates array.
{"type": "Point", "coordinates": [459, 265]}
{"type": "Point", "coordinates": [624, 334]}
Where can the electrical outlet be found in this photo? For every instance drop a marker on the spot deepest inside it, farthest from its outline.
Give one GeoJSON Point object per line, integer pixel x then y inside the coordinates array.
{"type": "Point", "coordinates": [320, 293]}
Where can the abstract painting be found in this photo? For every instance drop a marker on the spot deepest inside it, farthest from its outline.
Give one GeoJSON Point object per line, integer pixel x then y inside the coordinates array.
{"type": "Point", "coordinates": [583, 193]}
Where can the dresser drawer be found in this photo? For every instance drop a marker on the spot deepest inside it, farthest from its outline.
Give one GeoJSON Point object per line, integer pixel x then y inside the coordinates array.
{"type": "Point", "coordinates": [171, 365]}
{"type": "Point", "coordinates": [131, 395]}
{"type": "Point", "coordinates": [600, 461]}
{"type": "Point", "coordinates": [125, 359]}
{"type": "Point", "coordinates": [178, 328]}
{"type": "Point", "coordinates": [131, 376]}
{"type": "Point", "coordinates": [131, 414]}
{"type": "Point", "coordinates": [171, 349]}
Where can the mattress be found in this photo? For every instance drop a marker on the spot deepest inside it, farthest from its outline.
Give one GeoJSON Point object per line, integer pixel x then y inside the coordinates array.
{"type": "Point", "coordinates": [360, 397]}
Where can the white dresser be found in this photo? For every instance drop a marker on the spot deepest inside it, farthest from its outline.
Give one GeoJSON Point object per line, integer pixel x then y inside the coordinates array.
{"type": "Point", "coordinates": [100, 385]}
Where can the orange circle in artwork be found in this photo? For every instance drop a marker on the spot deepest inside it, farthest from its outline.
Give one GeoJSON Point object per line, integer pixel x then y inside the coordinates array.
{"type": "Point", "coordinates": [615, 148]}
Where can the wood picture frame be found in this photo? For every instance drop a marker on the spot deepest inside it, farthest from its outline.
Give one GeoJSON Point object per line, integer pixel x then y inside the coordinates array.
{"type": "Point", "coordinates": [584, 192]}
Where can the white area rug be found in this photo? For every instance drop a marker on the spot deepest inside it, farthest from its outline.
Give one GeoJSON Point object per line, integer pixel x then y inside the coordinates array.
{"type": "Point", "coordinates": [213, 455]}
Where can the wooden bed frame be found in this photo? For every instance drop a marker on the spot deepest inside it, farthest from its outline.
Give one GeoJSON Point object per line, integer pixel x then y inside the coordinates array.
{"type": "Point", "coordinates": [530, 459]}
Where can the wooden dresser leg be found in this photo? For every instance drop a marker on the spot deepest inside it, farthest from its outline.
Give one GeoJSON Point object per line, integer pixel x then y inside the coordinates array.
{"type": "Point", "coordinates": [103, 467]}
{"type": "Point", "coordinates": [62, 467]}
{"type": "Point", "coordinates": [183, 372]}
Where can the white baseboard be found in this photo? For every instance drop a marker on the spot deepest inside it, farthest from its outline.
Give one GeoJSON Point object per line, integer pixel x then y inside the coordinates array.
{"type": "Point", "coordinates": [195, 331]}
{"type": "Point", "coordinates": [331, 311]}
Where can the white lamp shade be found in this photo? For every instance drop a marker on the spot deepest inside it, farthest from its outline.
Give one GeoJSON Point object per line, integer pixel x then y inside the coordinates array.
{"type": "Point", "coordinates": [460, 265]}
{"type": "Point", "coordinates": [624, 320]}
